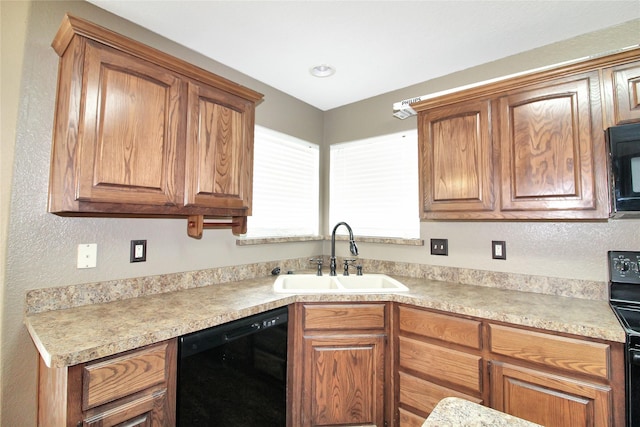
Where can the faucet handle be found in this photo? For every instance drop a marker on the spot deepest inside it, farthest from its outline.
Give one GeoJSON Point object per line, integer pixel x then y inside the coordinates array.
{"type": "Point", "coordinates": [319, 262]}
{"type": "Point", "coordinates": [346, 265]}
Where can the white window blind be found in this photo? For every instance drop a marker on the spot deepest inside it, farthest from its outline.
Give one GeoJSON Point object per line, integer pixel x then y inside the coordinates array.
{"type": "Point", "coordinates": [285, 186]}
{"type": "Point", "coordinates": [374, 185]}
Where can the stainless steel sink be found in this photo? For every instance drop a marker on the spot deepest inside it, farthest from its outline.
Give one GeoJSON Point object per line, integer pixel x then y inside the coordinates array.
{"type": "Point", "coordinates": [312, 284]}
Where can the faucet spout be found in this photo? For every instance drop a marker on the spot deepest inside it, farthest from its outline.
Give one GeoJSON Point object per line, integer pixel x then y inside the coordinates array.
{"type": "Point", "coordinates": [353, 248]}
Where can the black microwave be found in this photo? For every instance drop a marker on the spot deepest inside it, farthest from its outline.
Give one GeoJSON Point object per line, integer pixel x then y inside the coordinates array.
{"type": "Point", "coordinates": [624, 169]}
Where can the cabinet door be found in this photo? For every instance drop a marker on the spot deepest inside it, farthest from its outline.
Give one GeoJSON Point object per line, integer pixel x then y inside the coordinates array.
{"type": "Point", "coordinates": [552, 151]}
{"type": "Point", "coordinates": [343, 380]}
{"type": "Point", "coordinates": [128, 131]}
{"type": "Point", "coordinates": [219, 165]}
{"type": "Point", "coordinates": [456, 160]}
{"type": "Point", "coordinates": [549, 399]}
{"type": "Point", "coordinates": [622, 94]}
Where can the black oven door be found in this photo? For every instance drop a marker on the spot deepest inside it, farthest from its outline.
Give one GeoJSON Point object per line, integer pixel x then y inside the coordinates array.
{"type": "Point", "coordinates": [633, 381]}
{"type": "Point", "coordinates": [624, 156]}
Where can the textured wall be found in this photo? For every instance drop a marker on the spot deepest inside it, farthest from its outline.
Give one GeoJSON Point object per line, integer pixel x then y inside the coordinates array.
{"type": "Point", "coordinates": [557, 249]}
{"type": "Point", "coordinates": [41, 248]}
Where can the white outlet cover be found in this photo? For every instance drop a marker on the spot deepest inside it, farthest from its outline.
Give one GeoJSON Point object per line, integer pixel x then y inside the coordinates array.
{"type": "Point", "coordinates": [87, 255]}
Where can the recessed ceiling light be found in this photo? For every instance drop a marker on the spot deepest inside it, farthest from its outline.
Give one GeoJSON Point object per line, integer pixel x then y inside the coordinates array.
{"type": "Point", "coordinates": [323, 70]}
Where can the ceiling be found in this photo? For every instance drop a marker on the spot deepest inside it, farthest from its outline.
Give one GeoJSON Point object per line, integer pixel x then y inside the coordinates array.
{"type": "Point", "coordinates": [375, 46]}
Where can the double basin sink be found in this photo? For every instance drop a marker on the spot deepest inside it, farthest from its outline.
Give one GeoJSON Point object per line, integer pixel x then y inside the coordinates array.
{"type": "Point", "coordinates": [313, 284]}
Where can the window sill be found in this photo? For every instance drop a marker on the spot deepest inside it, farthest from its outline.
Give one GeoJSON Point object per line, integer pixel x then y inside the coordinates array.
{"type": "Point", "coordinates": [268, 240]}
{"type": "Point", "coordinates": [363, 239]}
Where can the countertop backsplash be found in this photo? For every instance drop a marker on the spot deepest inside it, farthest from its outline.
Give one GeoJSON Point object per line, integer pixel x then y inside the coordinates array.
{"type": "Point", "coordinates": [64, 297]}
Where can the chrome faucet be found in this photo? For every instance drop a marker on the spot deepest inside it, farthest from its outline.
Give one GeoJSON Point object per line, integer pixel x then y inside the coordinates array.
{"type": "Point", "coordinates": [352, 247]}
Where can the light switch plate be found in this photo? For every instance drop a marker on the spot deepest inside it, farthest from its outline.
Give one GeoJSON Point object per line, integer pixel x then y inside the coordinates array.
{"type": "Point", "coordinates": [498, 249]}
{"type": "Point", "coordinates": [87, 255]}
{"type": "Point", "coordinates": [440, 247]}
{"type": "Point", "coordinates": [138, 251]}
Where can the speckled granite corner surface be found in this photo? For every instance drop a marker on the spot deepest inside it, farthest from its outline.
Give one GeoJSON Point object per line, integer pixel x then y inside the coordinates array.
{"type": "Point", "coordinates": [456, 412]}
{"type": "Point", "coordinates": [79, 334]}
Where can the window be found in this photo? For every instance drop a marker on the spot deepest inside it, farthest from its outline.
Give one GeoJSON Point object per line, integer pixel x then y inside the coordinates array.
{"type": "Point", "coordinates": [285, 186]}
{"type": "Point", "coordinates": [374, 185]}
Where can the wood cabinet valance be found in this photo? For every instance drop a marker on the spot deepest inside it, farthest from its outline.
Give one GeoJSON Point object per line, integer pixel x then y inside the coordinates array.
{"type": "Point", "coordinates": [141, 133]}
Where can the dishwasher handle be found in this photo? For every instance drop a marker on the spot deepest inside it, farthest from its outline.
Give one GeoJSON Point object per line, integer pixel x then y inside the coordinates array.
{"type": "Point", "coordinates": [242, 331]}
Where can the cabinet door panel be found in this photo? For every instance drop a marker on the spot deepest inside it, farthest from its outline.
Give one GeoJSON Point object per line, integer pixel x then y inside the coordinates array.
{"type": "Point", "coordinates": [409, 419]}
{"type": "Point", "coordinates": [559, 401]}
{"type": "Point", "coordinates": [336, 317]}
{"type": "Point", "coordinates": [622, 94]}
{"type": "Point", "coordinates": [128, 134]}
{"type": "Point", "coordinates": [568, 354]}
{"type": "Point", "coordinates": [441, 326]}
{"type": "Point", "coordinates": [455, 367]}
{"type": "Point", "coordinates": [456, 158]}
{"type": "Point", "coordinates": [344, 380]}
{"type": "Point", "coordinates": [145, 411]}
{"type": "Point", "coordinates": [219, 153]}
{"type": "Point", "coordinates": [117, 377]}
{"type": "Point", "coordinates": [424, 395]}
{"type": "Point", "coordinates": [547, 148]}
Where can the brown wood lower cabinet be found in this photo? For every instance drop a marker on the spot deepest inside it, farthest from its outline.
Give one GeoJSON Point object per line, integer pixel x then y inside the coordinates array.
{"type": "Point", "coordinates": [550, 379]}
{"type": "Point", "coordinates": [549, 399]}
{"type": "Point", "coordinates": [339, 372]}
{"type": "Point", "coordinates": [132, 389]}
{"type": "Point", "coordinates": [343, 371]}
{"type": "Point", "coordinates": [556, 381]}
{"type": "Point", "coordinates": [438, 356]}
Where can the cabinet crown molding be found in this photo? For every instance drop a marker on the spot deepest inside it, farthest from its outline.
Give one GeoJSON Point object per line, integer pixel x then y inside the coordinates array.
{"type": "Point", "coordinates": [72, 26]}
{"type": "Point", "coordinates": [498, 85]}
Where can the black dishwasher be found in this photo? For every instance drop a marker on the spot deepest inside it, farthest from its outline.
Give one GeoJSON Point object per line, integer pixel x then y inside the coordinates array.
{"type": "Point", "coordinates": [234, 374]}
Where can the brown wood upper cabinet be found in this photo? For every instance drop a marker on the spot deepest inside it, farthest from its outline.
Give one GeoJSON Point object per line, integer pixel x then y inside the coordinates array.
{"type": "Point", "coordinates": [456, 164]}
{"type": "Point", "coordinates": [138, 132]}
{"type": "Point", "coordinates": [552, 155]}
{"type": "Point", "coordinates": [528, 147]}
{"type": "Point", "coordinates": [622, 94]}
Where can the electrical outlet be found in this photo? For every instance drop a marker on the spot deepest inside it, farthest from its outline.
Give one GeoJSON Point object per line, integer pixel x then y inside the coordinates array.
{"type": "Point", "coordinates": [498, 249]}
{"type": "Point", "coordinates": [440, 247]}
{"type": "Point", "coordinates": [87, 255]}
{"type": "Point", "coordinates": [138, 251]}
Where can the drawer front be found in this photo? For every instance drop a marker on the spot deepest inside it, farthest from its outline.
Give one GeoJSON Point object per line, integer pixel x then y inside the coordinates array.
{"type": "Point", "coordinates": [450, 366]}
{"type": "Point", "coordinates": [409, 419]}
{"type": "Point", "coordinates": [424, 395]}
{"type": "Point", "coordinates": [568, 354]}
{"type": "Point", "coordinates": [344, 316]}
{"type": "Point", "coordinates": [120, 376]}
{"type": "Point", "coordinates": [440, 326]}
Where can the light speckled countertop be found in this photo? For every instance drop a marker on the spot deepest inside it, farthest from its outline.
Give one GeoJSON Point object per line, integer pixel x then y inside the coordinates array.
{"type": "Point", "coordinates": [456, 412]}
{"type": "Point", "coordinates": [75, 335]}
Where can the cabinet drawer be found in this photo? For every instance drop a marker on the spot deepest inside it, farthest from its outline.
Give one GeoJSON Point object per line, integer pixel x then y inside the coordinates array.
{"type": "Point", "coordinates": [558, 352]}
{"type": "Point", "coordinates": [424, 395]}
{"type": "Point", "coordinates": [344, 316]}
{"type": "Point", "coordinates": [440, 326]}
{"type": "Point", "coordinates": [450, 366]}
{"type": "Point", "coordinates": [120, 376]}
{"type": "Point", "coordinates": [409, 419]}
